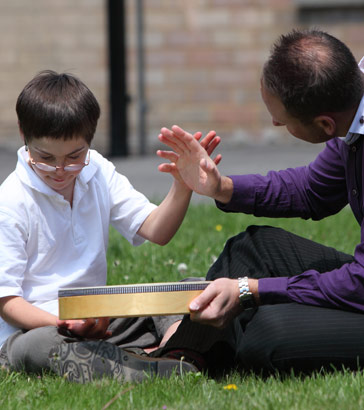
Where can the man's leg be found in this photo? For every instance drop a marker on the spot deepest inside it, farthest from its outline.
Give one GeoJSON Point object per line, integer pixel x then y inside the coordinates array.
{"type": "Point", "coordinates": [265, 251]}
{"type": "Point", "coordinates": [302, 338]}
{"type": "Point", "coordinates": [261, 251]}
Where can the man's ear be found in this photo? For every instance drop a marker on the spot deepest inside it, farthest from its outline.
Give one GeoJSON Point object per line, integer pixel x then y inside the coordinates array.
{"type": "Point", "coordinates": [327, 124]}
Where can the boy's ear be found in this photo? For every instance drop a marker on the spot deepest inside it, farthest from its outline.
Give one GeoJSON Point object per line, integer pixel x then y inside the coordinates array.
{"type": "Point", "coordinates": [327, 124]}
{"type": "Point", "coordinates": [21, 132]}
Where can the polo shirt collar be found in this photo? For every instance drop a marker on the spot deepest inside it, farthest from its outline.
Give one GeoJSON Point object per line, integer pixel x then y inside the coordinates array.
{"type": "Point", "coordinates": [356, 129]}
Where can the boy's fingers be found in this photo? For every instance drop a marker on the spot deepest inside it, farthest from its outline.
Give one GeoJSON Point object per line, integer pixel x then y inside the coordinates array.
{"type": "Point", "coordinates": [211, 136]}
{"type": "Point", "coordinates": [102, 324]}
{"type": "Point", "coordinates": [218, 159]}
{"type": "Point", "coordinates": [197, 136]}
{"type": "Point", "coordinates": [212, 145]}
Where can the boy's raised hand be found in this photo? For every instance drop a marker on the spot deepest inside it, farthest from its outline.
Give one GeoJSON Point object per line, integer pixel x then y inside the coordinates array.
{"type": "Point", "coordinates": [190, 159]}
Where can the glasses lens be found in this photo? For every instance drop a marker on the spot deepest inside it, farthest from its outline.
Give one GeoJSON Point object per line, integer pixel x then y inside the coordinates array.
{"type": "Point", "coordinates": [69, 168]}
{"type": "Point", "coordinates": [44, 167]}
{"type": "Point", "coordinates": [73, 167]}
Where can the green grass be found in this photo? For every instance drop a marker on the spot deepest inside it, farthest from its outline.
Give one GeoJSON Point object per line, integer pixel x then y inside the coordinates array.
{"type": "Point", "coordinates": [198, 242]}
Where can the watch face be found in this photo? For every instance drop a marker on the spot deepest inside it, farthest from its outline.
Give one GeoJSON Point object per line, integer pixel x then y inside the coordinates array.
{"type": "Point", "coordinates": [247, 301]}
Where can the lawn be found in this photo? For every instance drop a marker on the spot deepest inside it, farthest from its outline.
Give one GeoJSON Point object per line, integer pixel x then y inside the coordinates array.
{"type": "Point", "coordinates": [197, 244]}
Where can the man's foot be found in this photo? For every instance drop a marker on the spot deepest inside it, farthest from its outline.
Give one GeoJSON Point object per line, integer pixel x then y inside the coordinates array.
{"type": "Point", "coordinates": [83, 362]}
{"type": "Point", "coordinates": [194, 358]}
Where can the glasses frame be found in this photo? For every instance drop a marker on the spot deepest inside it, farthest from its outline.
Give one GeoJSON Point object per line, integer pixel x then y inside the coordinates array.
{"type": "Point", "coordinates": [67, 168]}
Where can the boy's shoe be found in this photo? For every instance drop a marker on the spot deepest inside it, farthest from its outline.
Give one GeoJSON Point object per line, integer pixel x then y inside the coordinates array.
{"type": "Point", "coordinates": [83, 362]}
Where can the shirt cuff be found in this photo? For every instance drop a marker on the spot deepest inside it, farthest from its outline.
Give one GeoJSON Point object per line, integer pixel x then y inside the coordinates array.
{"type": "Point", "coordinates": [243, 198]}
{"type": "Point", "coordinates": [273, 290]}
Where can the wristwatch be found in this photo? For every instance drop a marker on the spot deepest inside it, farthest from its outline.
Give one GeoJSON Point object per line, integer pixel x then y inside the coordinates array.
{"type": "Point", "coordinates": [246, 298]}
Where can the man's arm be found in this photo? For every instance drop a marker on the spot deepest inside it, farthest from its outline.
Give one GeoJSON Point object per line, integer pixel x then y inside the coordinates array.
{"type": "Point", "coordinates": [219, 303]}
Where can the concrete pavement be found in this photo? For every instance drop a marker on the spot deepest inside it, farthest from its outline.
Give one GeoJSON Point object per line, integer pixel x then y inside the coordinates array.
{"type": "Point", "coordinates": [236, 159]}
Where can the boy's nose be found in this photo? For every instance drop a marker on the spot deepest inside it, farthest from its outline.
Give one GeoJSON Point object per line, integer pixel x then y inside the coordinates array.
{"type": "Point", "coordinates": [60, 170]}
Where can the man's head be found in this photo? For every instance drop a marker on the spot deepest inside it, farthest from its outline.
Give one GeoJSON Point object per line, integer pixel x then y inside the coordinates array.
{"type": "Point", "coordinates": [314, 76]}
{"type": "Point", "coordinates": [57, 106]}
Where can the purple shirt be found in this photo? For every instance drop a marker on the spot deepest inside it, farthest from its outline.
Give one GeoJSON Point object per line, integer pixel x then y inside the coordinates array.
{"type": "Point", "coordinates": [320, 189]}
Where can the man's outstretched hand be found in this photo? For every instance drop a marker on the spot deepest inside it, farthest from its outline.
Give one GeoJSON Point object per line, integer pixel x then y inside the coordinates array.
{"type": "Point", "coordinates": [190, 159]}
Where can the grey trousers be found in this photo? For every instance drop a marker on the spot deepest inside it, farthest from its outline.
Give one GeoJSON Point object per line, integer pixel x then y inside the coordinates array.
{"type": "Point", "coordinates": [29, 350]}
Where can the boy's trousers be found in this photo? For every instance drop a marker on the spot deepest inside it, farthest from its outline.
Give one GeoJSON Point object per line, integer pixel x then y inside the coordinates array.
{"type": "Point", "coordinates": [29, 350]}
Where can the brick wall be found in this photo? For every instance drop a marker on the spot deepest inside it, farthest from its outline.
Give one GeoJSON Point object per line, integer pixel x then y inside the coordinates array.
{"type": "Point", "coordinates": [61, 35]}
{"type": "Point", "coordinates": [203, 60]}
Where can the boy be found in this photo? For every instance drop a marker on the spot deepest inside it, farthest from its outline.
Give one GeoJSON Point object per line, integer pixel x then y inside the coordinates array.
{"type": "Point", "coordinates": [55, 211]}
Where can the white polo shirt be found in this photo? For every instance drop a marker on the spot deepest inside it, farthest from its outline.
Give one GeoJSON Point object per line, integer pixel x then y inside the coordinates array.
{"type": "Point", "coordinates": [45, 244]}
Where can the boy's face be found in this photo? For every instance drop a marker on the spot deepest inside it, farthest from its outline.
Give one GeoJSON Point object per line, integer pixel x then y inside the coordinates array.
{"type": "Point", "coordinates": [58, 153]}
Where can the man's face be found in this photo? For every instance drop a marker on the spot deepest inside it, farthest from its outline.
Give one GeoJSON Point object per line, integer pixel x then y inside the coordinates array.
{"type": "Point", "coordinates": [280, 117]}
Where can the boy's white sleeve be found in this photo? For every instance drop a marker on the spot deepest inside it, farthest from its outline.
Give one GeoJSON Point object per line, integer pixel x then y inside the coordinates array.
{"type": "Point", "coordinates": [129, 208]}
{"type": "Point", "coordinates": [13, 256]}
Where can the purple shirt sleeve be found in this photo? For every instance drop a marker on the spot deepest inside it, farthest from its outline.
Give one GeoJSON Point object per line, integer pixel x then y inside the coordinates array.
{"type": "Point", "coordinates": [315, 191]}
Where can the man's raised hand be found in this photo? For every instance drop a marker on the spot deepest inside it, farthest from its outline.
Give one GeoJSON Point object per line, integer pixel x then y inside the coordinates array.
{"type": "Point", "coordinates": [190, 159]}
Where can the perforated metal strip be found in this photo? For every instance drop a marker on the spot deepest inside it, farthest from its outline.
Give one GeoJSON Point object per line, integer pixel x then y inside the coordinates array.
{"type": "Point", "coordinates": [140, 288]}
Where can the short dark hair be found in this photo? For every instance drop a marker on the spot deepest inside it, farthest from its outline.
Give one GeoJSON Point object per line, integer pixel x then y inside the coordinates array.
{"type": "Point", "coordinates": [312, 72]}
{"type": "Point", "coordinates": [57, 106]}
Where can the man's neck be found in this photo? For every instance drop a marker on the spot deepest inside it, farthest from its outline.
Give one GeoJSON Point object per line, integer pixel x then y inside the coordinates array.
{"type": "Point", "coordinates": [344, 120]}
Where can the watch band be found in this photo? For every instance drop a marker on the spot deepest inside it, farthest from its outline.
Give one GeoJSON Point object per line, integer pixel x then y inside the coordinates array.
{"type": "Point", "coordinates": [246, 298]}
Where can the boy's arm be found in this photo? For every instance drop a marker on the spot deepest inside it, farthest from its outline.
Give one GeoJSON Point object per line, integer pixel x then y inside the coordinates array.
{"type": "Point", "coordinates": [196, 168]}
{"type": "Point", "coordinates": [19, 313]}
{"type": "Point", "coordinates": [161, 225]}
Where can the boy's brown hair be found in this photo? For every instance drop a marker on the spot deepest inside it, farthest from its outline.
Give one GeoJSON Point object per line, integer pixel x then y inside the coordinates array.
{"type": "Point", "coordinates": [57, 106]}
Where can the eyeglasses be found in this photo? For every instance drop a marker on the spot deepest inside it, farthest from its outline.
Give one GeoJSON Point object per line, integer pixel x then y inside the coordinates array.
{"type": "Point", "coordinates": [68, 168]}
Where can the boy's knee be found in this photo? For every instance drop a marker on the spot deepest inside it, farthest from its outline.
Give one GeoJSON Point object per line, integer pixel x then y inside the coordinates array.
{"type": "Point", "coordinates": [29, 351]}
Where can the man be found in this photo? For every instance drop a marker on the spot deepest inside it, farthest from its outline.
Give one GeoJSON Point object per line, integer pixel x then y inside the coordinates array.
{"type": "Point", "coordinates": [285, 302]}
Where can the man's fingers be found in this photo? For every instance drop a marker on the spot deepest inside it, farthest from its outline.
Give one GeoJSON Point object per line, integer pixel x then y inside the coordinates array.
{"type": "Point", "coordinates": [202, 300]}
{"type": "Point", "coordinates": [172, 140]}
{"type": "Point", "coordinates": [180, 132]}
{"type": "Point", "coordinates": [170, 155]}
{"type": "Point", "coordinates": [207, 166]}
{"type": "Point", "coordinates": [170, 168]}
